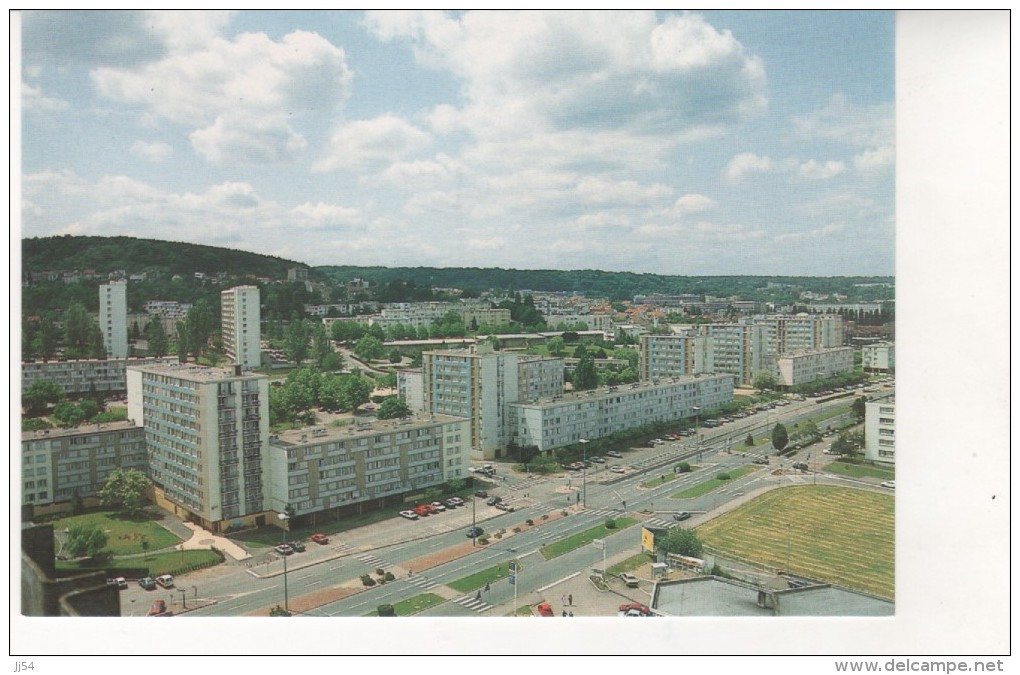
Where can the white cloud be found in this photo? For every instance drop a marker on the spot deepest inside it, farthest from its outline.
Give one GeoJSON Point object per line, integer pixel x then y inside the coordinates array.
{"type": "Point", "coordinates": [744, 164]}
{"type": "Point", "coordinates": [813, 170]}
{"type": "Point", "coordinates": [367, 142]}
{"type": "Point", "coordinates": [236, 94]}
{"type": "Point", "coordinates": [627, 192]}
{"type": "Point", "coordinates": [872, 129]}
{"type": "Point", "coordinates": [875, 161]}
{"type": "Point", "coordinates": [816, 233]}
{"type": "Point", "coordinates": [321, 214]}
{"type": "Point", "coordinates": [33, 99]}
{"type": "Point", "coordinates": [153, 151]}
{"type": "Point", "coordinates": [693, 203]}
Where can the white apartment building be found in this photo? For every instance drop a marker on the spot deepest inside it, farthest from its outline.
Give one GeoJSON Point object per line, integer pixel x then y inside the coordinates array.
{"type": "Point", "coordinates": [478, 384]}
{"type": "Point", "coordinates": [240, 326]}
{"type": "Point", "coordinates": [802, 332]}
{"type": "Point", "coordinates": [597, 413]}
{"type": "Point", "coordinates": [740, 349]}
{"type": "Point", "coordinates": [662, 356]}
{"type": "Point", "coordinates": [59, 464]}
{"type": "Point", "coordinates": [113, 318]}
{"type": "Point", "coordinates": [410, 388]}
{"type": "Point", "coordinates": [602, 322]}
{"type": "Point", "coordinates": [481, 316]}
{"type": "Point", "coordinates": [880, 431]}
{"type": "Point", "coordinates": [879, 357]}
{"type": "Point", "coordinates": [168, 309]}
{"type": "Point", "coordinates": [339, 470]}
{"type": "Point", "coordinates": [207, 434]}
{"type": "Point", "coordinates": [801, 367]}
{"type": "Point", "coordinates": [417, 314]}
{"type": "Point", "coordinates": [78, 376]}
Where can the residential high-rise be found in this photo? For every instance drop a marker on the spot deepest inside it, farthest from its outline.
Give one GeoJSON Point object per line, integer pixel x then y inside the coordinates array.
{"type": "Point", "coordinates": [663, 356]}
{"type": "Point", "coordinates": [206, 434]}
{"type": "Point", "coordinates": [802, 332]}
{"type": "Point", "coordinates": [241, 331]}
{"type": "Point", "coordinates": [740, 349]}
{"type": "Point", "coordinates": [113, 318]}
{"type": "Point", "coordinates": [880, 357]}
{"type": "Point", "coordinates": [880, 430]}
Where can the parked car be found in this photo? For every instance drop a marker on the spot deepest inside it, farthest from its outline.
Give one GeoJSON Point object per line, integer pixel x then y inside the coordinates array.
{"type": "Point", "coordinates": [614, 453]}
{"type": "Point", "coordinates": [504, 507]}
{"type": "Point", "coordinates": [451, 503]}
{"type": "Point", "coordinates": [438, 506]}
{"type": "Point", "coordinates": [119, 582]}
{"type": "Point", "coordinates": [545, 609]}
{"type": "Point", "coordinates": [617, 469]}
{"type": "Point", "coordinates": [165, 580]}
{"type": "Point", "coordinates": [474, 532]}
{"type": "Point", "coordinates": [641, 610]}
{"type": "Point", "coordinates": [481, 493]}
{"type": "Point", "coordinates": [320, 538]}
{"type": "Point", "coordinates": [422, 510]}
{"type": "Point", "coordinates": [410, 515]}
{"type": "Point", "coordinates": [298, 546]}
{"type": "Point", "coordinates": [157, 607]}
{"type": "Point", "coordinates": [681, 515]}
{"type": "Point", "coordinates": [891, 484]}
{"type": "Point", "coordinates": [283, 549]}
{"type": "Point", "coordinates": [148, 583]}
{"type": "Point", "coordinates": [800, 466]}
{"type": "Point", "coordinates": [494, 500]}
{"type": "Point", "coordinates": [629, 579]}
{"type": "Point", "coordinates": [598, 460]}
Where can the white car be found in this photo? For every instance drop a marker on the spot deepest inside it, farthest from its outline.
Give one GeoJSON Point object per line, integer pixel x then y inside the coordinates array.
{"type": "Point", "coordinates": [617, 469]}
{"type": "Point", "coordinates": [439, 506]}
{"type": "Point", "coordinates": [410, 515]}
{"type": "Point", "coordinates": [891, 484]}
{"type": "Point", "coordinates": [614, 453]}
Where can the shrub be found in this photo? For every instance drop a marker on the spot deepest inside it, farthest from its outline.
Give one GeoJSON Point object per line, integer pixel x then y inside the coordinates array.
{"type": "Point", "coordinates": [483, 540]}
{"type": "Point", "coordinates": [529, 521]}
{"type": "Point", "coordinates": [545, 516]}
{"type": "Point", "coordinates": [722, 475]}
{"type": "Point", "coordinates": [389, 576]}
{"type": "Point", "coordinates": [610, 524]}
{"type": "Point", "coordinates": [683, 467]}
{"type": "Point", "coordinates": [367, 580]}
{"type": "Point", "coordinates": [386, 610]}
{"type": "Point", "coordinates": [517, 530]}
{"type": "Point", "coordinates": [380, 571]}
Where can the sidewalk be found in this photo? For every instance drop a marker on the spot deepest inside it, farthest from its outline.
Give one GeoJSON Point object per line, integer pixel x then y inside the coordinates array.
{"type": "Point", "coordinates": [204, 540]}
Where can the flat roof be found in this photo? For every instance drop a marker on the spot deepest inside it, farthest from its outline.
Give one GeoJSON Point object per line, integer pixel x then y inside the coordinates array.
{"type": "Point", "coordinates": [712, 596]}
{"type": "Point", "coordinates": [197, 373]}
{"type": "Point", "coordinates": [575, 396]}
{"type": "Point", "coordinates": [62, 432]}
{"type": "Point", "coordinates": [357, 428]}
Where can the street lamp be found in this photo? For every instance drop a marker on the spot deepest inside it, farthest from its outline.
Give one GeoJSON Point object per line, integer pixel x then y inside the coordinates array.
{"type": "Point", "coordinates": [286, 528]}
{"type": "Point", "coordinates": [697, 429]}
{"type": "Point", "coordinates": [584, 471]}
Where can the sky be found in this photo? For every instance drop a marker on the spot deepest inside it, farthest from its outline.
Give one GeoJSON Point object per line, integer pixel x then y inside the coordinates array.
{"type": "Point", "coordinates": [685, 143]}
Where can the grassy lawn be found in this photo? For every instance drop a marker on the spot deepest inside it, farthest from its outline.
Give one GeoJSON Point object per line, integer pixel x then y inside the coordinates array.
{"type": "Point", "coordinates": [479, 579]}
{"type": "Point", "coordinates": [583, 538]}
{"type": "Point", "coordinates": [123, 535]}
{"type": "Point", "coordinates": [174, 562]}
{"type": "Point", "coordinates": [418, 603]}
{"type": "Point", "coordinates": [714, 483]}
{"type": "Point", "coordinates": [834, 534]}
{"type": "Point", "coordinates": [630, 564]}
{"type": "Point", "coordinates": [861, 470]}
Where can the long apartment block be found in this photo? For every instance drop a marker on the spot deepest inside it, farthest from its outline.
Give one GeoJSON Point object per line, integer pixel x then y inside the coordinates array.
{"type": "Point", "coordinates": [79, 376]}
{"type": "Point", "coordinates": [566, 419]}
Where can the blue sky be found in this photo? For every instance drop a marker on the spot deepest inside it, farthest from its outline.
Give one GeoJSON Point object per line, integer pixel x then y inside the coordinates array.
{"type": "Point", "coordinates": [667, 142]}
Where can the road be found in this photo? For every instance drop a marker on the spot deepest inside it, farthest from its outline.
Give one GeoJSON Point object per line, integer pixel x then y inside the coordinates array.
{"type": "Point", "coordinates": [394, 545]}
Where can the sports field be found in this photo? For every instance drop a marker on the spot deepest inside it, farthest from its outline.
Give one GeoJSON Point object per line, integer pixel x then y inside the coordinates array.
{"type": "Point", "coordinates": [834, 534]}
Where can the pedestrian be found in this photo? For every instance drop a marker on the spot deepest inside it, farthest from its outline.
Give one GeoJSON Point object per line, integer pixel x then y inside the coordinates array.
{"type": "Point", "coordinates": [564, 612]}
{"type": "Point", "coordinates": [478, 595]}
{"type": "Point", "coordinates": [570, 600]}
{"type": "Point", "coordinates": [487, 588]}
{"type": "Point", "coordinates": [410, 572]}
{"type": "Point", "coordinates": [571, 614]}
{"type": "Point", "coordinates": [563, 599]}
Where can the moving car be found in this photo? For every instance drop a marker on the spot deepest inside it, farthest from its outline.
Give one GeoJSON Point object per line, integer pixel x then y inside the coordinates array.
{"type": "Point", "coordinates": [320, 538]}
{"type": "Point", "coordinates": [891, 484]}
{"type": "Point", "coordinates": [298, 546]}
{"type": "Point", "coordinates": [545, 609]}
{"type": "Point", "coordinates": [158, 607]}
{"type": "Point", "coordinates": [283, 549]}
{"type": "Point", "coordinates": [681, 515]}
{"type": "Point", "coordinates": [165, 580]}
{"type": "Point", "coordinates": [614, 453]}
{"type": "Point", "coordinates": [148, 583]}
{"type": "Point", "coordinates": [800, 466]}
{"type": "Point", "coordinates": [474, 532]}
{"type": "Point", "coordinates": [636, 607]}
{"type": "Point", "coordinates": [617, 469]}
{"type": "Point", "coordinates": [410, 515]}
{"type": "Point", "coordinates": [494, 500]}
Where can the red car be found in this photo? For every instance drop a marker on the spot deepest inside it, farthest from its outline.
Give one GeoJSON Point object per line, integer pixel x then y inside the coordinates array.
{"type": "Point", "coordinates": [158, 607]}
{"type": "Point", "coordinates": [423, 509]}
{"type": "Point", "coordinates": [320, 538]}
{"type": "Point", "coordinates": [634, 607]}
{"type": "Point", "coordinates": [545, 609]}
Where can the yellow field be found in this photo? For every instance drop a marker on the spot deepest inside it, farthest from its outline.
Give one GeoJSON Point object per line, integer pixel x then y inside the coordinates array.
{"type": "Point", "coordinates": [833, 534]}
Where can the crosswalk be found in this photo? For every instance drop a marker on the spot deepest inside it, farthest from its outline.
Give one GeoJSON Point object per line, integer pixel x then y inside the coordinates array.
{"type": "Point", "coordinates": [606, 513]}
{"type": "Point", "coordinates": [525, 484]}
{"type": "Point", "coordinates": [372, 561]}
{"type": "Point", "coordinates": [659, 522]}
{"type": "Point", "coordinates": [343, 548]}
{"type": "Point", "coordinates": [422, 582]}
{"type": "Point", "coordinates": [472, 602]}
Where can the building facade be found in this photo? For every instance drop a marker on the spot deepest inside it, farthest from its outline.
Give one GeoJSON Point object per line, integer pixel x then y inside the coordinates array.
{"type": "Point", "coordinates": [206, 435]}
{"type": "Point", "coordinates": [663, 356]}
{"type": "Point", "coordinates": [597, 413]}
{"type": "Point", "coordinates": [410, 389]}
{"type": "Point", "coordinates": [240, 326]}
{"type": "Point", "coordinates": [59, 464]}
{"type": "Point", "coordinates": [79, 376]}
{"type": "Point", "coordinates": [802, 332]}
{"type": "Point", "coordinates": [880, 431]}
{"type": "Point", "coordinates": [879, 357]}
{"type": "Point", "coordinates": [113, 318]}
{"type": "Point", "coordinates": [740, 349]}
{"type": "Point", "coordinates": [802, 367]}
{"type": "Point", "coordinates": [334, 471]}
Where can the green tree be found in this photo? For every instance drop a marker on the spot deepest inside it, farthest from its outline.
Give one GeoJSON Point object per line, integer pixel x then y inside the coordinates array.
{"type": "Point", "coordinates": [77, 330]}
{"type": "Point", "coordinates": [392, 407]}
{"type": "Point", "coordinates": [39, 395]}
{"type": "Point", "coordinates": [369, 348]}
{"type": "Point", "coordinates": [764, 380]}
{"type": "Point", "coordinates": [85, 541]}
{"type": "Point", "coordinates": [296, 344]}
{"type": "Point", "coordinates": [322, 347]}
{"type": "Point", "coordinates": [848, 444]}
{"type": "Point", "coordinates": [556, 346]}
{"type": "Point", "coordinates": [159, 343]}
{"type": "Point", "coordinates": [184, 340]}
{"type": "Point", "coordinates": [67, 414]}
{"type": "Point", "coordinates": [681, 541]}
{"type": "Point", "coordinates": [355, 392]}
{"type": "Point", "coordinates": [394, 356]}
{"type": "Point", "coordinates": [749, 441]}
{"type": "Point", "coordinates": [859, 407]}
{"type": "Point", "coordinates": [125, 490]}
{"type": "Point", "coordinates": [780, 437]}
{"type": "Point", "coordinates": [585, 375]}
{"type": "Point", "coordinates": [201, 326]}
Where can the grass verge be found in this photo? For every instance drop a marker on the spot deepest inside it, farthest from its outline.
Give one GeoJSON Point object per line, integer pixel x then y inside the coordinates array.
{"type": "Point", "coordinates": [714, 483]}
{"type": "Point", "coordinates": [418, 603]}
{"type": "Point", "coordinates": [630, 564]}
{"type": "Point", "coordinates": [860, 471]}
{"type": "Point", "coordinates": [479, 579]}
{"type": "Point", "coordinates": [175, 563]}
{"type": "Point", "coordinates": [580, 539]}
